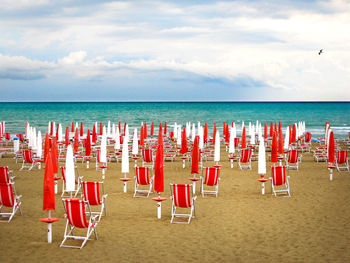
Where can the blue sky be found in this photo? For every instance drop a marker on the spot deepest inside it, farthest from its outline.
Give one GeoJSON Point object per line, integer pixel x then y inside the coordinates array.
{"type": "Point", "coordinates": [174, 50]}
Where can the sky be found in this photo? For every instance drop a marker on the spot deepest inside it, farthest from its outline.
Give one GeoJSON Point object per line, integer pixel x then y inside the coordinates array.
{"type": "Point", "coordinates": [174, 50]}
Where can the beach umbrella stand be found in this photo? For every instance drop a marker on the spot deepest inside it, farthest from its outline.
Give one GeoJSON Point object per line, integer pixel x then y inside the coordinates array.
{"type": "Point", "coordinates": [125, 181]}
{"type": "Point", "coordinates": [49, 220]}
{"type": "Point", "coordinates": [159, 201]}
{"type": "Point", "coordinates": [330, 168]}
{"type": "Point", "coordinates": [262, 180]}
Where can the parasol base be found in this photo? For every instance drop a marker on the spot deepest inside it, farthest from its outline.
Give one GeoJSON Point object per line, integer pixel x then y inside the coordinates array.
{"type": "Point", "coordinates": [159, 201]}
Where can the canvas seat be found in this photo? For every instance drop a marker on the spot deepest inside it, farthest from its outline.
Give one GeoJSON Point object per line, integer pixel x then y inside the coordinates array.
{"type": "Point", "coordinates": [66, 193]}
{"type": "Point", "coordinates": [28, 160]}
{"type": "Point", "coordinates": [211, 179]}
{"type": "Point", "coordinates": [143, 179]}
{"type": "Point", "coordinates": [279, 181]}
{"type": "Point", "coordinates": [342, 162]}
{"type": "Point", "coordinates": [181, 196]}
{"type": "Point", "coordinates": [292, 160]}
{"type": "Point", "coordinates": [5, 175]}
{"type": "Point", "coordinates": [245, 161]}
{"type": "Point", "coordinates": [77, 219]}
{"type": "Point", "coordinates": [147, 158]}
{"type": "Point", "coordinates": [93, 193]}
{"type": "Point", "coordinates": [9, 199]}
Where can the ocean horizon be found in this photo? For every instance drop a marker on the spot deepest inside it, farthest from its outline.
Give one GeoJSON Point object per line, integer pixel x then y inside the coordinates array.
{"type": "Point", "coordinates": [314, 113]}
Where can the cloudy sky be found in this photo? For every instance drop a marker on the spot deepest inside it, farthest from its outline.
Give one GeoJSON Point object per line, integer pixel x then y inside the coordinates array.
{"type": "Point", "coordinates": [174, 50]}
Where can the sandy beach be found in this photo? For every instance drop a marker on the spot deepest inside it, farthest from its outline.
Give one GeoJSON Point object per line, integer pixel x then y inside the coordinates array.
{"type": "Point", "coordinates": [241, 225]}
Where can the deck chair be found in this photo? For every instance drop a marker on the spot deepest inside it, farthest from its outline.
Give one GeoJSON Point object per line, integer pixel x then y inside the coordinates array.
{"type": "Point", "coordinates": [99, 164]}
{"type": "Point", "coordinates": [279, 181]}
{"type": "Point", "coordinates": [77, 183]}
{"type": "Point", "coordinates": [342, 162]}
{"type": "Point", "coordinates": [28, 160]}
{"type": "Point", "coordinates": [181, 199]}
{"type": "Point", "coordinates": [91, 193]}
{"type": "Point", "coordinates": [5, 175]}
{"type": "Point", "coordinates": [292, 159]}
{"type": "Point", "coordinates": [211, 179]}
{"type": "Point", "coordinates": [142, 178]}
{"type": "Point", "coordinates": [245, 161]}
{"type": "Point", "coordinates": [8, 198]}
{"type": "Point", "coordinates": [147, 158]}
{"type": "Point", "coordinates": [76, 218]}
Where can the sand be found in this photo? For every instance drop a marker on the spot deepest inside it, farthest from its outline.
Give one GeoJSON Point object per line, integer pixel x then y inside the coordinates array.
{"type": "Point", "coordinates": [240, 225]}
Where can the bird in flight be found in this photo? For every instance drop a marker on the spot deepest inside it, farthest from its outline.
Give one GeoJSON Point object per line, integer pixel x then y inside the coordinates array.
{"type": "Point", "coordinates": [320, 52]}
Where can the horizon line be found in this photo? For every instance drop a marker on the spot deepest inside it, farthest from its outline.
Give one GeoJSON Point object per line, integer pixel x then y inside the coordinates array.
{"type": "Point", "coordinates": [174, 101]}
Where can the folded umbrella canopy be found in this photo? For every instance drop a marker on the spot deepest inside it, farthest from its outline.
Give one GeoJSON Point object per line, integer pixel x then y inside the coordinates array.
{"type": "Point", "coordinates": [81, 129]}
{"type": "Point", "coordinates": [165, 128]}
{"type": "Point", "coordinates": [262, 159]}
{"type": "Point", "coordinates": [244, 139]}
{"type": "Point", "coordinates": [231, 148]}
{"type": "Point", "coordinates": [66, 137]}
{"type": "Point", "coordinates": [286, 139]}
{"type": "Point", "coordinates": [76, 141]}
{"type": "Point", "coordinates": [88, 144]}
{"type": "Point", "coordinates": [205, 135]}
{"type": "Point", "coordinates": [46, 146]}
{"type": "Point", "coordinates": [117, 140]}
{"type": "Point", "coordinates": [274, 148]}
{"type": "Point", "coordinates": [183, 149]}
{"type": "Point", "coordinates": [70, 172]}
{"type": "Point", "coordinates": [152, 129]}
{"type": "Point", "coordinates": [195, 157]}
{"type": "Point", "coordinates": [217, 147]}
{"type": "Point", "coordinates": [94, 134]}
{"type": "Point", "coordinates": [330, 147]}
{"type": "Point", "coordinates": [271, 129]}
{"type": "Point", "coordinates": [214, 133]}
{"type": "Point", "coordinates": [135, 143]}
{"type": "Point", "coordinates": [294, 133]}
{"type": "Point", "coordinates": [158, 171]}
{"type": "Point", "coordinates": [103, 153]}
{"type": "Point", "coordinates": [280, 142]}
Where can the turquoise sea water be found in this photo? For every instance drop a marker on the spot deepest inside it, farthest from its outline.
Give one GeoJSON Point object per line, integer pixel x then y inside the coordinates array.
{"type": "Point", "coordinates": [315, 114]}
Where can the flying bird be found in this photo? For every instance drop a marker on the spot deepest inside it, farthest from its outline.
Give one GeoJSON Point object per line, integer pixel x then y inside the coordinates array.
{"type": "Point", "coordinates": [320, 52]}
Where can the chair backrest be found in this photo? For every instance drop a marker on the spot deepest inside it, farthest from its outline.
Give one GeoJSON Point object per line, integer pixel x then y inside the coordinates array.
{"type": "Point", "coordinates": [6, 195]}
{"type": "Point", "coordinates": [147, 155]}
{"type": "Point", "coordinates": [98, 157]}
{"type": "Point", "coordinates": [20, 137]}
{"type": "Point", "coordinates": [27, 156]}
{"type": "Point", "coordinates": [341, 157]}
{"type": "Point", "coordinates": [211, 176]}
{"type": "Point", "coordinates": [278, 175]}
{"type": "Point", "coordinates": [75, 210]}
{"type": "Point", "coordinates": [245, 155]}
{"type": "Point", "coordinates": [91, 192]}
{"type": "Point", "coordinates": [293, 156]}
{"type": "Point", "coordinates": [63, 171]}
{"type": "Point", "coordinates": [142, 175]}
{"type": "Point", "coordinates": [308, 137]}
{"type": "Point", "coordinates": [236, 141]}
{"type": "Point", "coordinates": [4, 174]}
{"type": "Point", "coordinates": [181, 195]}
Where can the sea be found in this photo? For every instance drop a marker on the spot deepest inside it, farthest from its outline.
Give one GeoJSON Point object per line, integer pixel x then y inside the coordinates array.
{"type": "Point", "coordinates": [315, 114]}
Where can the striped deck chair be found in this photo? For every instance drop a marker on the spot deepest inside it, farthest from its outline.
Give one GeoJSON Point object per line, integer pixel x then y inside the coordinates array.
{"type": "Point", "coordinates": [211, 179]}
{"type": "Point", "coordinates": [181, 199]}
{"type": "Point", "coordinates": [9, 199]}
{"type": "Point", "coordinates": [91, 193]}
{"type": "Point", "coordinates": [5, 175]}
{"type": "Point", "coordinates": [142, 178]}
{"type": "Point", "coordinates": [28, 160]}
{"type": "Point", "coordinates": [342, 162]}
{"type": "Point", "coordinates": [147, 158]}
{"type": "Point", "coordinates": [280, 182]}
{"type": "Point", "coordinates": [76, 218]}
{"type": "Point", "coordinates": [292, 159]}
{"type": "Point", "coordinates": [77, 183]}
{"type": "Point", "coordinates": [245, 161]}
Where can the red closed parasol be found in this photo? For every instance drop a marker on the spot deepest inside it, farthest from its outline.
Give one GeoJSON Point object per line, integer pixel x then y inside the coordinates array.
{"type": "Point", "coordinates": [183, 149]}
{"type": "Point", "coordinates": [331, 155]}
{"type": "Point", "coordinates": [67, 137]}
{"type": "Point", "coordinates": [244, 139]}
{"type": "Point", "coordinates": [195, 157]}
{"type": "Point", "coordinates": [46, 146]}
{"type": "Point", "coordinates": [294, 133]}
{"type": "Point", "coordinates": [145, 130]}
{"type": "Point", "coordinates": [214, 133]}
{"type": "Point", "coordinates": [274, 148]}
{"type": "Point", "coordinates": [81, 129]}
{"type": "Point", "coordinates": [205, 136]}
{"type": "Point", "coordinates": [165, 127]}
{"type": "Point", "coordinates": [88, 144]}
{"type": "Point", "coordinates": [94, 135]}
{"type": "Point", "coordinates": [101, 129]}
{"type": "Point", "coordinates": [265, 130]}
{"type": "Point", "coordinates": [72, 129]}
{"type": "Point", "coordinates": [280, 142]}
{"type": "Point", "coordinates": [141, 137]}
{"type": "Point", "coordinates": [158, 172]}
{"type": "Point", "coordinates": [76, 140]}
{"type": "Point", "coordinates": [49, 185]}
{"type": "Point", "coordinates": [152, 129]}
{"type": "Point", "coordinates": [271, 129]}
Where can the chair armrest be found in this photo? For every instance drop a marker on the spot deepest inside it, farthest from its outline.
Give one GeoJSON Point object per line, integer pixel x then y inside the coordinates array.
{"type": "Point", "coordinates": [18, 197]}
{"type": "Point", "coordinates": [104, 196]}
{"type": "Point", "coordinates": [194, 198]}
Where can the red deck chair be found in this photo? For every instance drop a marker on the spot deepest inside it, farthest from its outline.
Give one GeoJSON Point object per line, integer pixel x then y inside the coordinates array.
{"type": "Point", "coordinates": [8, 198]}
{"type": "Point", "coordinates": [181, 198]}
{"type": "Point", "coordinates": [5, 175]}
{"type": "Point", "coordinates": [211, 179]}
{"type": "Point", "coordinates": [147, 158]}
{"type": "Point", "coordinates": [99, 164]}
{"type": "Point", "coordinates": [77, 183]}
{"type": "Point", "coordinates": [76, 218]}
{"type": "Point", "coordinates": [280, 182]}
{"type": "Point", "coordinates": [245, 161]}
{"type": "Point", "coordinates": [28, 160]}
{"type": "Point", "coordinates": [292, 160]}
{"type": "Point", "coordinates": [91, 192]}
{"type": "Point", "coordinates": [142, 178]}
{"type": "Point", "coordinates": [20, 137]}
{"type": "Point", "coordinates": [342, 161]}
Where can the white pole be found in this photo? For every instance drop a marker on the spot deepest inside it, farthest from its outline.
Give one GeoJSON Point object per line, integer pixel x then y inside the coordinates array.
{"type": "Point", "coordinates": [159, 210]}
{"type": "Point", "coordinates": [331, 175]}
{"type": "Point", "coordinates": [87, 164]}
{"type": "Point", "coordinates": [263, 188]}
{"type": "Point", "coordinates": [194, 187]}
{"type": "Point", "coordinates": [183, 163]}
{"type": "Point", "coordinates": [56, 187]}
{"type": "Point", "coordinates": [125, 187]}
{"type": "Point", "coordinates": [103, 173]}
{"type": "Point", "coordinates": [49, 230]}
